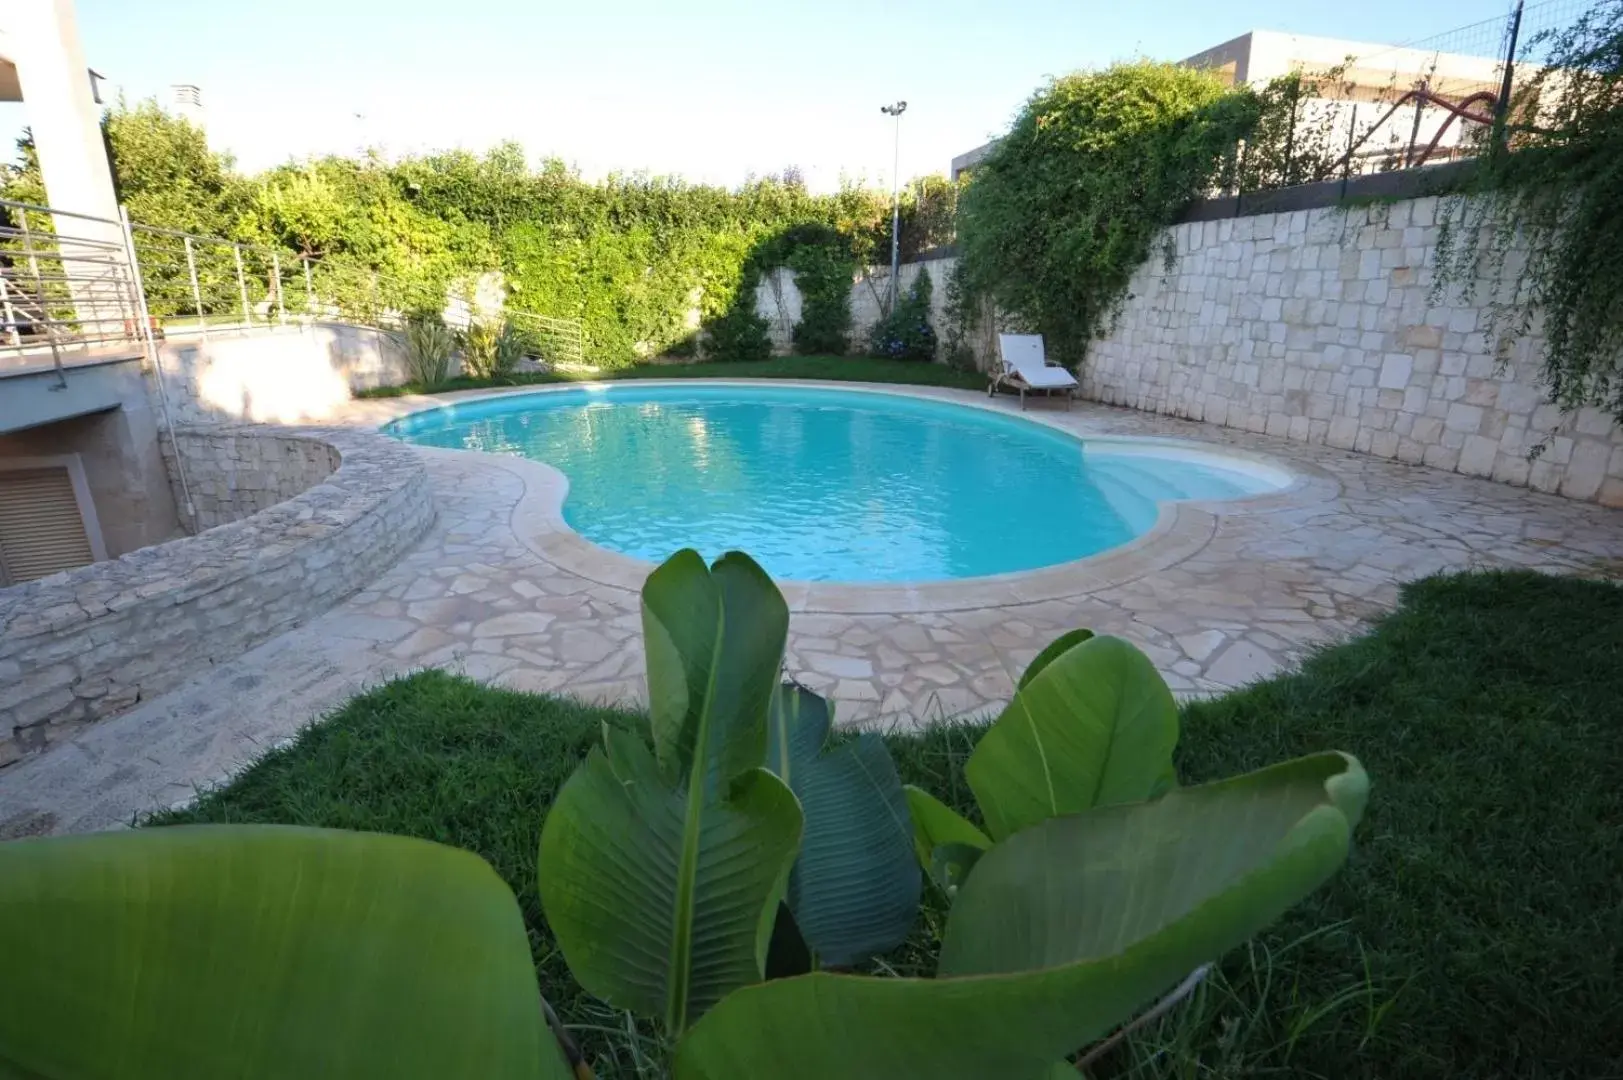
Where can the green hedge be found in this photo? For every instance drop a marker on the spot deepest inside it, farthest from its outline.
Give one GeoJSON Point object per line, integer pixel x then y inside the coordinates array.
{"type": "Point", "coordinates": [629, 256]}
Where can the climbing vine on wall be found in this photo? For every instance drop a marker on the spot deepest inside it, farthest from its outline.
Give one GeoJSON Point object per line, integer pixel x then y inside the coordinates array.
{"type": "Point", "coordinates": [1541, 221]}
{"type": "Point", "coordinates": [824, 266]}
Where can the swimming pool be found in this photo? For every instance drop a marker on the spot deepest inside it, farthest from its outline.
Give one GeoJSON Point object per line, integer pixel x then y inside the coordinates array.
{"type": "Point", "coordinates": [834, 485]}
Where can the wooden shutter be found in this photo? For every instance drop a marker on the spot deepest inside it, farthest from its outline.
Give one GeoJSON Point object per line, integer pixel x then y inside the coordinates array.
{"type": "Point", "coordinates": [41, 529]}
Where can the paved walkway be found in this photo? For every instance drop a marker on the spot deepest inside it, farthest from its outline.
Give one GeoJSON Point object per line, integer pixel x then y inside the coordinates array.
{"type": "Point", "coordinates": [1218, 595]}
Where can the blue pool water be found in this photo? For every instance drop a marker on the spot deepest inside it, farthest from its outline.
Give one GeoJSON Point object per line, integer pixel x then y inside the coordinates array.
{"type": "Point", "coordinates": [832, 485]}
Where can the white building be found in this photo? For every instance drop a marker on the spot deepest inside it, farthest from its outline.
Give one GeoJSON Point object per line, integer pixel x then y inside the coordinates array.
{"type": "Point", "coordinates": [1355, 83]}
{"type": "Point", "coordinates": [186, 100]}
{"type": "Point", "coordinates": [1357, 86]}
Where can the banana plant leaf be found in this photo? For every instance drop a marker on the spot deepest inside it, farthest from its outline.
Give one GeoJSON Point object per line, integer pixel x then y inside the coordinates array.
{"type": "Point", "coordinates": [262, 952]}
{"type": "Point", "coordinates": [1063, 931]}
{"type": "Point", "coordinates": [714, 641]}
{"type": "Point", "coordinates": [855, 888]}
{"type": "Point", "coordinates": [946, 843]}
{"type": "Point", "coordinates": [1053, 651]}
{"type": "Point", "coordinates": [661, 873]}
{"type": "Point", "coordinates": [1093, 725]}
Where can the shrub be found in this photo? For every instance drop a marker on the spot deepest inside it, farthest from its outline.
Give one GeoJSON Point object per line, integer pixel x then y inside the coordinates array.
{"type": "Point", "coordinates": [429, 345]}
{"type": "Point", "coordinates": [686, 346]}
{"type": "Point", "coordinates": [512, 346]}
{"type": "Point", "coordinates": [479, 349]}
{"type": "Point", "coordinates": [492, 349]}
{"type": "Point", "coordinates": [906, 333]}
{"type": "Point", "coordinates": [1066, 208]}
{"type": "Point", "coordinates": [739, 334]}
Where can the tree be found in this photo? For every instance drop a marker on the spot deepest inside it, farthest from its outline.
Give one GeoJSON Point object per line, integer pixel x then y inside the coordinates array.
{"type": "Point", "coordinates": [165, 173]}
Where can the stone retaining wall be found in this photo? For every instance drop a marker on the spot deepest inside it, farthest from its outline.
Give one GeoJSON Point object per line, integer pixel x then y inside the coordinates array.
{"type": "Point", "coordinates": [85, 644]}
{"type": "Point", "coordinates": [778, 301]}
{"type": "Point", "coordinates": [1318, 325]}
{"type": "Point", "coordinates": [234, 472]}
{"type": "Point", "coordinates": [276, 374]}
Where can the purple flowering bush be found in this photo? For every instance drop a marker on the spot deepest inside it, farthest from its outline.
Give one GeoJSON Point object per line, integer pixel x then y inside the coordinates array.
{"type": "Point", "coordinates": [906, 333]}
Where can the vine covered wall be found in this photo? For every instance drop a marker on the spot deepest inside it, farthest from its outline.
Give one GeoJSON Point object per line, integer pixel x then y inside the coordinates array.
{"type": "Point", "coordinates": [1540, 234]}
{"type": "Point", "coordinates": [1321, 326]}
{"type": "Point", "coordinates": [646, 263]}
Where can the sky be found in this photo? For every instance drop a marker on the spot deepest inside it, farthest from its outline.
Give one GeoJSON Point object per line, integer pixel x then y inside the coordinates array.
{"type": "Point", "coordinates": [712, 90]}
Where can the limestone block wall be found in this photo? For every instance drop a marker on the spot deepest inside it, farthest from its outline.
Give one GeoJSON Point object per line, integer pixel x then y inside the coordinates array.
{"type": "Point", "coordinates": [87, 643]}
{"type": "Point", "coordinates": [234, 472]}
{"type": "Point", "coordinates": [1318, 325]}
{"type": "Point", "coordinates": [778, 301]}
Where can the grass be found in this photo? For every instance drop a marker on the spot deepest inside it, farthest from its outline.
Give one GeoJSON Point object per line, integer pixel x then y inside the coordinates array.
{"type": "Point", "coordinates": [1474, 933]}
{"type": "Point", "coordinates": [837, 368]}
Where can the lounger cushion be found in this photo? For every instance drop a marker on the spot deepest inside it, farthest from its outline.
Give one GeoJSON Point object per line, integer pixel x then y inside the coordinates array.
{"type": "Point", "coordinates": [1046, 378]}
{"type": "Point", "coordinates": [1023, 356]}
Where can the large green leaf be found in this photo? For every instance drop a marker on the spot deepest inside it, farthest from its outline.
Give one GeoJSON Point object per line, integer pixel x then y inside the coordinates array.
{"type": "Point", "coordinates": [262, 952]}
{"type": "Point", "coordinates": [1053, 651]}
{"type": "Point", "coordinates": [1062, 932]}
{"type": "Point", "coordinates": [714, 641]}
{"type": "Point", "coordinates": [1095, 725]}
{"type": "Point", "coordinates": [855, 887]}
{"type": "Point", "coordinates": [658, 909]}
{"type": "Point", "coordinates": [946, 843]}
{"type": "Point", "coordinates": [661, 873]}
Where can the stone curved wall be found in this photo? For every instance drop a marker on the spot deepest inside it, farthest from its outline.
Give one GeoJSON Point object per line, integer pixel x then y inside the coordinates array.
{"type": "Point", "coordinates": [88, 643]}
{"type": "Point", "coordinates": [233, 472]}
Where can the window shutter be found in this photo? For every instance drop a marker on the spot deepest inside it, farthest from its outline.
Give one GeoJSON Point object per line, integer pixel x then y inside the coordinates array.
{"type": "Point", "coordinates": [41, 529]}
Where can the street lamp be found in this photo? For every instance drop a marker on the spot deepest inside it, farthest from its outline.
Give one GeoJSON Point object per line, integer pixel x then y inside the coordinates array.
{"type": "Point", "coordinates": [895, 110]}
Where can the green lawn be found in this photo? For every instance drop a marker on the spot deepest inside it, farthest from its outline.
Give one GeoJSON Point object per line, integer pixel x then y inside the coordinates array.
{"type": "Point", "coordinates": [840, 368]}
{"type": "Point", "coordinates": [1475, 932]}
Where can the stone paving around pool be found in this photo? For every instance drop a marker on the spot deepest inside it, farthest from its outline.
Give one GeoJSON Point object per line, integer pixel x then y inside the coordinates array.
{"type": "Point", "coordinates": [1220, 594]}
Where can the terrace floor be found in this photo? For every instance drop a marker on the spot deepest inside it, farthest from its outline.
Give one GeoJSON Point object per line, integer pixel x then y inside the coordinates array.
{"type": "Point", "coordinates": [1218, 594]}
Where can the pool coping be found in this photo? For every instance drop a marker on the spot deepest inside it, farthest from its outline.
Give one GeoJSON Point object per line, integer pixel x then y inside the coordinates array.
{"type": "Point", "coordinates": [1181, 528]}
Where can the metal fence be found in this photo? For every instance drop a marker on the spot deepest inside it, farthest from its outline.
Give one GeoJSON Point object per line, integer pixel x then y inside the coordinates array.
{"type": "Point", "coordinates": [72, 283]}
{"type": "Point", "coordinates": [1431, 100]}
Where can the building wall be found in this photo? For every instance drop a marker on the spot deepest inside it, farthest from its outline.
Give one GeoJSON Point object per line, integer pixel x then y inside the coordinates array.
{"type": "Point", "coordinates": [1317, 325]}
{"type": "Point", "coordinates": [1268, 54]}
{"type": "Point", "coordinates": [85, 644]}
{"type": "Point", "coordinates": [1371, 77]}
{"type": "Point", "coordinates": [118, 448]}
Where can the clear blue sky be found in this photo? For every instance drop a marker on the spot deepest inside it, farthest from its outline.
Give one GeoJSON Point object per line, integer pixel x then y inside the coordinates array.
{"type": "Point", "coordinates": [711, 89]}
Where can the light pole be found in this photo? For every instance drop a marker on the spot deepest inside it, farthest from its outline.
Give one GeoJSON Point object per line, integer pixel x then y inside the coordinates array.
{"type": "Point", "coordinates": [895, 110]}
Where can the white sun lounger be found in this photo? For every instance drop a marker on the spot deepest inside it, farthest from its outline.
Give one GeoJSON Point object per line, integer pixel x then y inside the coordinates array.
{"type": "Point", "coordinates": [1026, 367]}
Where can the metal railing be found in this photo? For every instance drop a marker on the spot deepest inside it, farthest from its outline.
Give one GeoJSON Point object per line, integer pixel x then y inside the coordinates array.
{"type": "Point", "coordinates": [76, 283]}
{"type": "Point", "coordinates": [65, 282]}
{"type": "Point", "coordinates": [1444, 97]}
